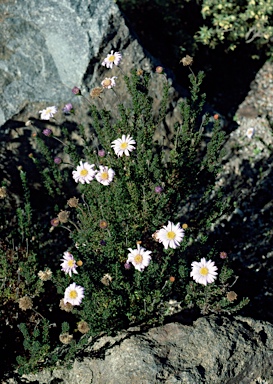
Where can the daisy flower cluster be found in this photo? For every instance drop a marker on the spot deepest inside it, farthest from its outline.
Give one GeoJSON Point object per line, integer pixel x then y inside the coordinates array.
{"type": "Point", "coordinates": [85, 173]}
{"type": "Point", "coordinates": [73, 293]}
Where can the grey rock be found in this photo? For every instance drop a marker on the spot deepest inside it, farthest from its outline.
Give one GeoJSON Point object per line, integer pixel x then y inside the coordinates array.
{"type": "Point", "coordinates": [214, 350]}
{"type": "Point", "coordinates": [50, 46]}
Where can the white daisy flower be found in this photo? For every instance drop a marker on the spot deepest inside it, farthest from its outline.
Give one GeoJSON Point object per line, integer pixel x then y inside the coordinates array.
{"type": "Point", "coordinates": [84, 173]}
{"type": "Point", "coordinates": [74, 294]}
{"type": "Point", "coordinates": [170, 235]}
{"type": "Point", "coordinates": [112, 58]}
{"type": "Point", "coordinates": [47, 113]}
{"type": "Point", "coordinates": [69, 264]}
{"type": "Point", "coordinates": [105, 175]}
{"type": "Point", "coordinates": [140, 258]}
{"type": "Point", "coordinates": [204, 272]}
{"type": "Point", "coordinates": [250, 132]}
{"type": "Point", "coordinates": [109, 82]}
{"type": "Point", "coordinates": [123, 145]}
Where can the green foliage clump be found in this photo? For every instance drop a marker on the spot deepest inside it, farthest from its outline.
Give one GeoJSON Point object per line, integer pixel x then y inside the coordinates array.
{"type": "Point", "coordinates": [245, 21]}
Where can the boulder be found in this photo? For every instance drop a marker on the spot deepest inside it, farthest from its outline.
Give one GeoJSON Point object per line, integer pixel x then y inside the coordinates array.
{"type": "Point", "coordinates": [49, 47]}
{"type": "Point", "coordinates": [213, 350]}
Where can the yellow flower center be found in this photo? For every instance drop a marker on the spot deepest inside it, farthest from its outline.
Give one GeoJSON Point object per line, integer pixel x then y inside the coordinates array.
{"type": "Point", "coordinates": [84, 172]}
{"type": "Point", "coordinates": [104, 175]}
{"type": "Point", "coordinates": [171, 235]}
{"type": "Point", "coordinates": [73, 294]}
{"type": "Point", "coordinates": [123, 145]}
{"type": "Point", "coordinates": [138, 259]}
{"type": "Point", "coordinates": [107, 82]}
{"type": "Point", "coordinates": [70, 263]}
{"type": "Point", "coordinates": [204, 271]}
{"type": "Point", "coordinates": [111, 58]}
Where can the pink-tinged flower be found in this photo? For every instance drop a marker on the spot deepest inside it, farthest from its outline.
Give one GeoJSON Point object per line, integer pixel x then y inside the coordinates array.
{"type": "Point", "coordinates": [68, 108]}
{"type": "Point", "coordinates": [112, 58]}
{"type": "Point", "coordinates": [55, 222]}
{"type": "Point", "coordinates": [47, 132]}
{"type": "Point", "coordinates": [140, 258]}
{"type": "Point", "coordinates": [159, 69]}
{"type": "Point", "coordinates": [123, 145]}
{"type": "Point", "coordinates": [105, 175]}
{"type": "Point", "coordinates": [47, 113]}
{"type": "Point", "coordinates": [74, 294]}
{"type": "Point", "coordinates": [127, 265]}
{"type": "Point", "coordinates": [84, 173]}
{"type": "Point", "coordinates": [109, 82]}
{"type": "Point", "coordinates": [69, 264]}
{"type": "Point", "coordinates": [76, 91]}
{"type": "Point", "coordinates": [170, 235]}
{"type": "Point", "coordinates": [101, 152]}
{"type": "Point", "coordinates": [57, 160]}
{"type": "Point", "coordinates": [158, 189]}
{"type": "Point", "coordinates": [204, 272]}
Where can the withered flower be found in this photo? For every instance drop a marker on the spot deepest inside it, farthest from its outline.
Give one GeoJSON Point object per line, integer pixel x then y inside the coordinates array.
{"type": "Point", "coordinates": [231, 296]}
{"type": "Point", "coordinates": [83, 327]}
{"type": "Point", "coordinates": [25, 303]}
{"type": "Point", "coordinates": [73, 202]}
{"type": "Point", "coordinates": [3, 192]}
{"type": "Point", "coordinates": [65, 307]}
{"type": "Point", "coordinates": [45, 275]}
{"type": "Point", "coordinates": [63, 216]}
{"type": "Point", "coordinates": [106, 280]}
{"type": "Point", "coordinates": [65, 338]}
{"type": "Point", "coordinates": [95, 92]}
{"type": "Point", "coordinates": [187, 60]}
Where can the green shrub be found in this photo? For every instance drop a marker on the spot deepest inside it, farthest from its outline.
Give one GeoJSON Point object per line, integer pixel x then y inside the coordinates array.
{"type": "Point", "coordinates": [142, 216]}
{"type": "Point", "coordinates": [235, 22]}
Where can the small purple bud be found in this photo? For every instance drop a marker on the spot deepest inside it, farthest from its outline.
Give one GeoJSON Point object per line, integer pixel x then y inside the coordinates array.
{"type": "Point", "coordinates": [57, 160]}
{"type": "Point", "coordinates": [47, 132]}
{"type": "Point", "coordinates": [68, 108]}
{"type": "Point", "coordinates": [102, 242]}
{"type": "Point", "coordinates": [158, 189]}
{"type": "Point", "coordinates": [76, 91]}
{"type": "Point", "coordinates": [101, 152]}
{"type": "Point", "coordinates": [127, 265]}
{"type": "Point", "coordinates": [223, 255]}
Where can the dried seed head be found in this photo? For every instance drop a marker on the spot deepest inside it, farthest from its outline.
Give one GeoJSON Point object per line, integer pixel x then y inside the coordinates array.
{"type": "Point", "coordinates": [25, 303]}
{"type": "Point", "coordinates": [231, 296]}
{"type": "Point", "coordinates": [155, 236]}
{"type": "Point", "coordinates": [187, 60]}
{"type": "Point", "coordinates": [103, 224]}
{"type": "Point", "coordinates": [65, 338]}
{"type": "Point", "coordinates": [139, 72]}
{"type": "Point", "coordinates": [83, 327]}
{"type": "Point", "coordinates": [3, 192]}
{"type": "Point", "coordinates": [79, 263]}
{"type": "Point", "coordinates": [106, 280]}
{"type": "Point", "coordinates": [73, 202]}
{"type": "Point", "coordinates": [65, 307]}
{"type": "Point", "coordinates": [63, 216]}
{"type": "Point", "coordinates": [45, 275]}
{"type": "Point", "coordinates": [172, 279]}
{"type": "Point", "coordinates": [95, 92]}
